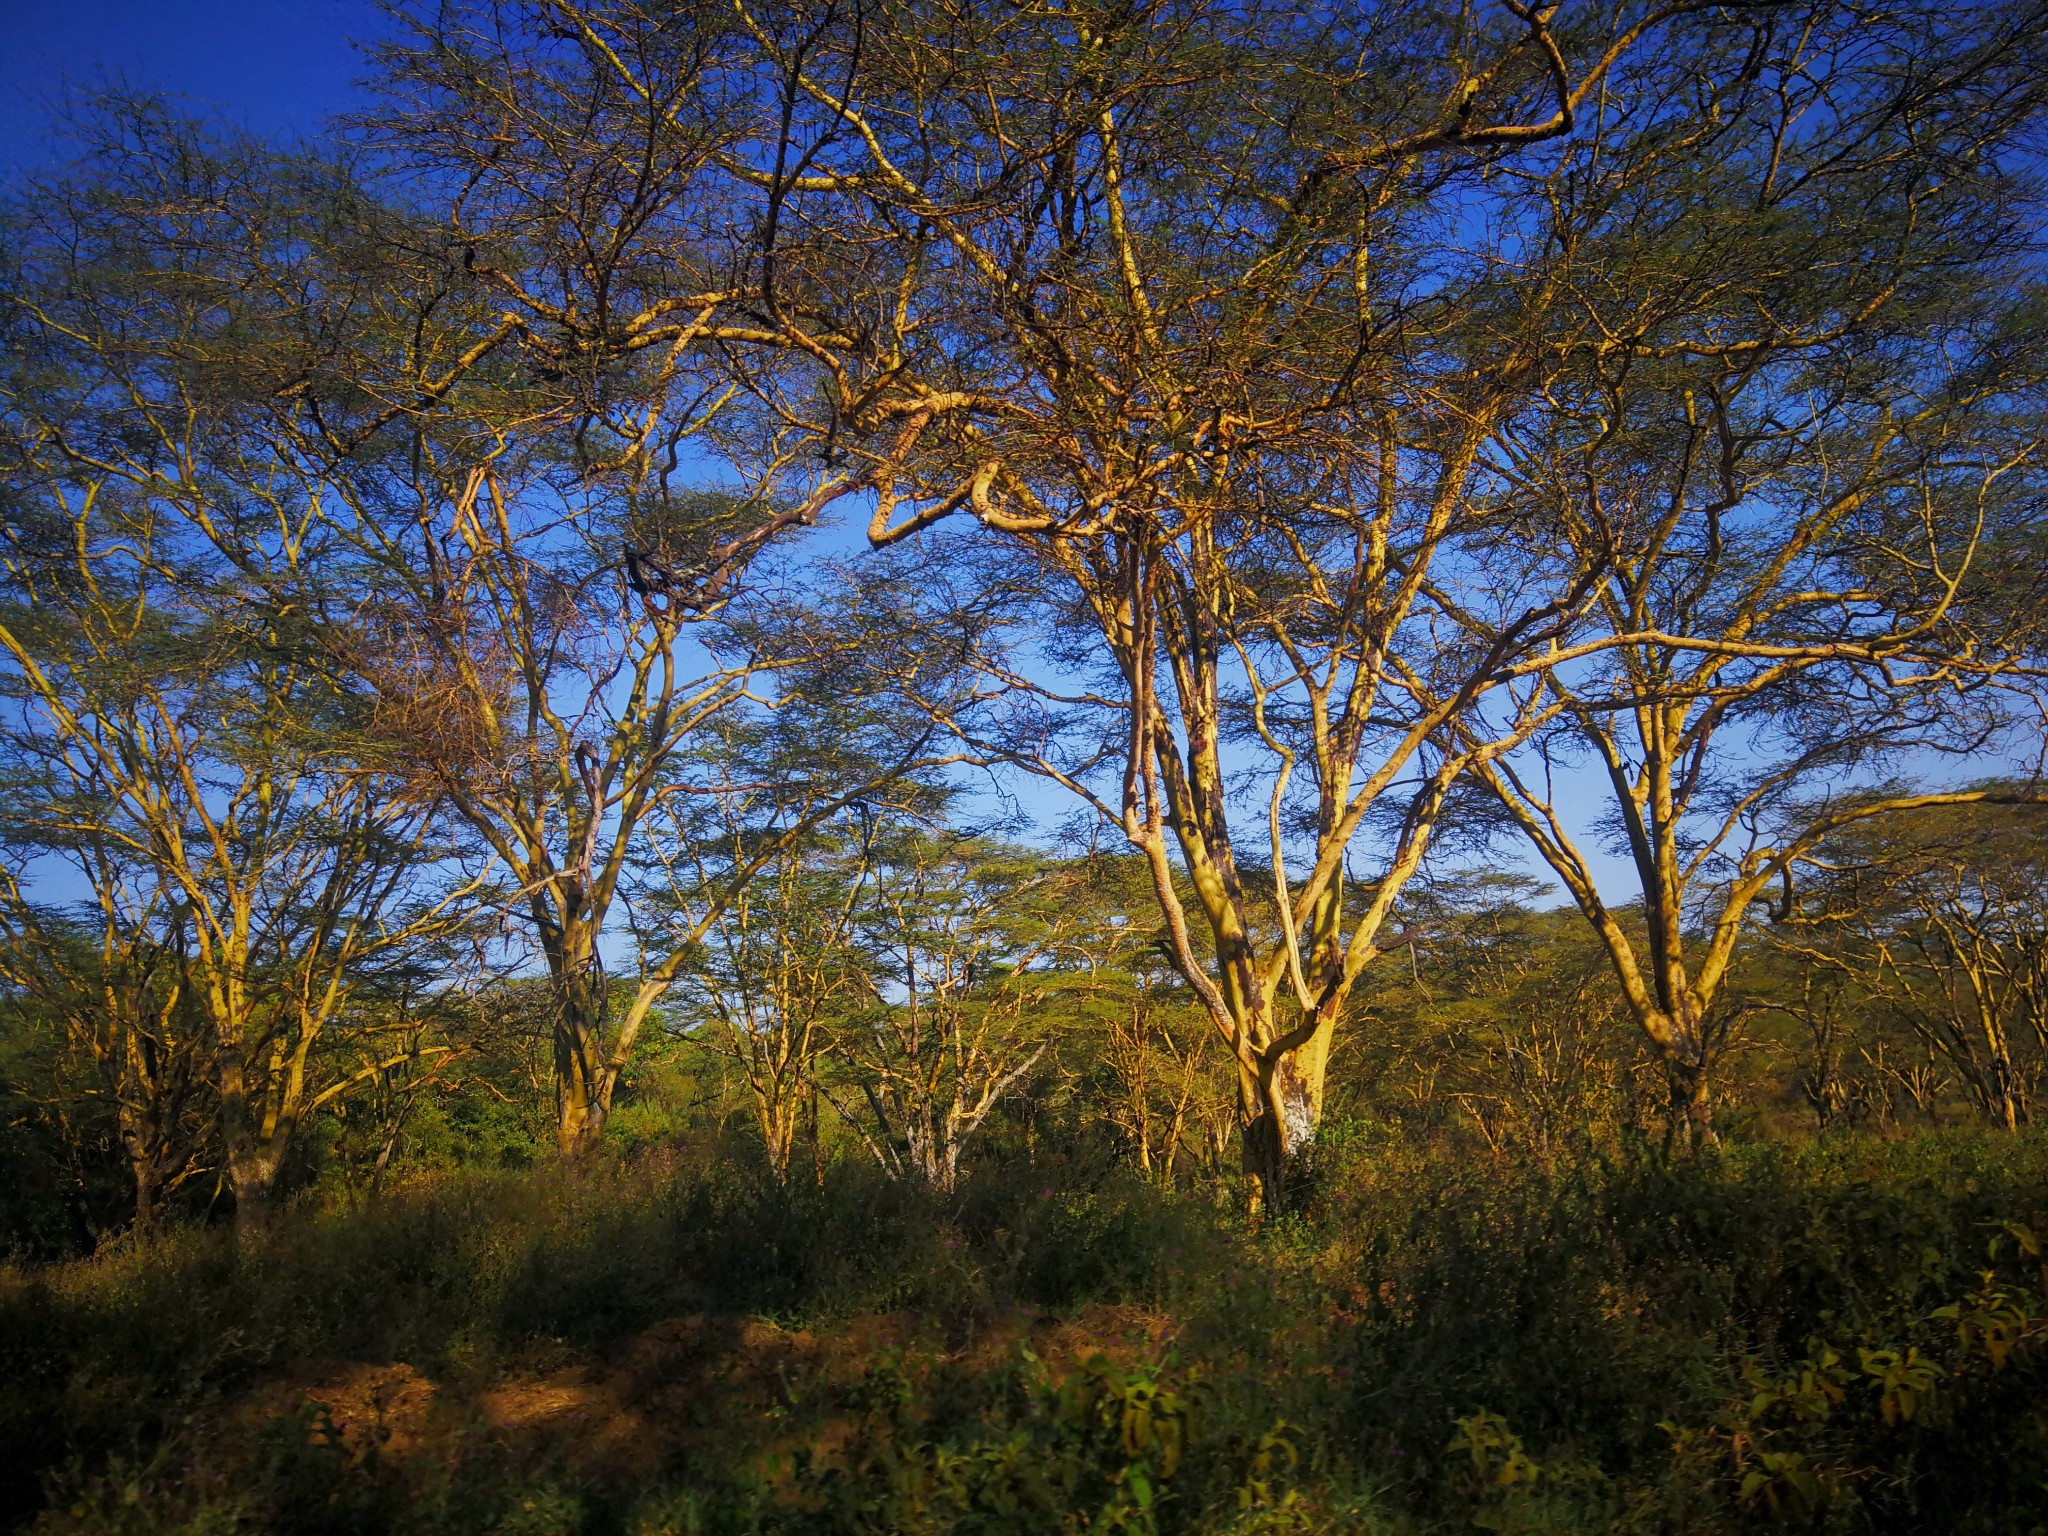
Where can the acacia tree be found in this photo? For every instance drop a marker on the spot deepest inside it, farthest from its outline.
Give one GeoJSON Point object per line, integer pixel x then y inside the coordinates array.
{"type": "Point", "coordinates": [1808, 475]}
{"type": "Point", "coordinates": [470, 359]}
{"type": "Point", "coordinates": [1157, 1051]}
{"type": "Point", "coordinates": [111, 975]}
{"type": "Point", "coordinates": [507, 665]}
{"type": "Point", "coordinates": [761, 871]}
{"type": "Point", "coordinates": [173, 721]}
{"type": "Point", "coordinates": [1970, 978]}
{"type": "Point", "coordinates": [175, 743]}
{"type": "Point", "coordinates": [522, 657]}
{"type": "Point", "coordinates": [968, 943]}
{"type": "Point", "coordinates": [490, 540]}
{"type": "Point", "coordinates": [1936, 921]}
{"type": "Point", "coordinates": [1206, 317]}
{"type": "Point", "coordinates": [970, 284]}
{"type": "Point", "coordinates": [516, 444]}
{"type": "Point", "coordinates": [771, 975]}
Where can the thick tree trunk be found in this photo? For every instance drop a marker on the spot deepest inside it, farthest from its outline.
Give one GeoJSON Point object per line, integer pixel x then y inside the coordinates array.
{"type": "Point", "coordinates": [582, 1087]}
{"type": "Point", "coordinates": [252, 1175]}
{"type": "Point", "coordinates": [144, 1168]}
{"type": "Point", "coordinates": [1283, 1116]}
{"type": "Point", "coordinates": [1681, 1039]}
{"type": "Point", "coordinates": [2000, 1100]}
{"type": "Point", "coordinates": [1692, 1101]}
{"type": "Point", "coordinates": [254, 1149]}
{"type": "Point", "coordinates": [580, 1106]}
{"type": "Point", "coordinates": [2004, 1105]}
{"type": "Point", "coordinates": [148, 1197]}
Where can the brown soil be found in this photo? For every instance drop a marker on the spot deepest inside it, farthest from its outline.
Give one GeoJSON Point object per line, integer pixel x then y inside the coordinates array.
{"type": "Point", "coordinates": [699, 1386]}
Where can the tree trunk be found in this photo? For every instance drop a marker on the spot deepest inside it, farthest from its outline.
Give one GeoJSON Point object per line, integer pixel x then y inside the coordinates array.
{"type": "Point", "coordinates": [2005, 1099]}
{"type": "Point", "coordinates": [2000, 1100]}
{"type": "Point", "coordinates": [1680, 1038]}
{"type": "Point", "coordinates": [1284, 1115]}
{"type": "Point", "coordinates": [252, 1175]}
{"type": "Point", "coordinates": [579, 1107]}
{"type": "Point", "coordinates": [780, 1120]}
{"type": "Point", "coordinates": [148, 1197]}
{"type": "Point", "coordinates": [1692, 1101]}
{"type": "Point", "coordinates": [253, 1150]}
{"type": "Point", "coordinates": [582, 1090]}
{"type": "Point", "coordinates": [143, 1167]}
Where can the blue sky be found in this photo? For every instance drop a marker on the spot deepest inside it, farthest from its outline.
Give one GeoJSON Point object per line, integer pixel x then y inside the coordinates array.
{"type": "Point", "coordinates": [274, 66]}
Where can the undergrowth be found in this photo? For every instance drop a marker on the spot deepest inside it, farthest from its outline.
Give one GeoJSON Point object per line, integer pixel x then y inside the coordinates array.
{"type": "Point", "coordinates": [1846, 1336]}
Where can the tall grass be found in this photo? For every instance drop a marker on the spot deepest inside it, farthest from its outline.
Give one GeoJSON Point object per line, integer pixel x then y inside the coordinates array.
{"type": "Point", "coordinates": [1803, 1337]}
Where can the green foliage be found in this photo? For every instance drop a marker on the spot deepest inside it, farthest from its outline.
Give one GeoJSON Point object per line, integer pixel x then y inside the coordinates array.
{"type": "Point", "coordinates": [1793, 1333]}
{"type": "Point", "coordinates": [1850, 1336]}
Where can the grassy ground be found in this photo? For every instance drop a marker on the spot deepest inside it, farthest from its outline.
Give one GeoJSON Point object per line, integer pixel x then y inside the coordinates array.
{"type": "Point", "coordinates": [1848, 1336]}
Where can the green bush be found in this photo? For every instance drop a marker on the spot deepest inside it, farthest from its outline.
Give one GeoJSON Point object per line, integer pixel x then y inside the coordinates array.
{"type": "Point", "coordinates": [1848, 1336]}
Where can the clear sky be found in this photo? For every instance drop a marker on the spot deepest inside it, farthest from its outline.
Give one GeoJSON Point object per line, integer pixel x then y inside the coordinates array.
{"type": "Point", "coordinates": [275, 66]}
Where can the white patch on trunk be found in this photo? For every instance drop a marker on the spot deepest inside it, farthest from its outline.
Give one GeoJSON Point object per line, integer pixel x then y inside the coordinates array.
{"type": "Point", "coordinates": [1298, 1128]}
